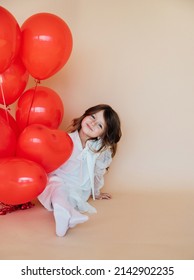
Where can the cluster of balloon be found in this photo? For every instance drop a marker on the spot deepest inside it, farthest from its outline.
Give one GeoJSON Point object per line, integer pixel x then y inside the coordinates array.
{"type": "Point", "coordinates": [31, 144]}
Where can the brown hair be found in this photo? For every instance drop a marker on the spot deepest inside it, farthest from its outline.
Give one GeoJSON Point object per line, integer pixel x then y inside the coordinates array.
{"type": "Point", "coordinates": [112, 133]}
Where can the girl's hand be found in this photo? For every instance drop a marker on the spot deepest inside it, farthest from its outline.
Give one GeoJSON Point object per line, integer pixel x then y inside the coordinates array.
{"type": "Point", "coordinates": [103, 196]}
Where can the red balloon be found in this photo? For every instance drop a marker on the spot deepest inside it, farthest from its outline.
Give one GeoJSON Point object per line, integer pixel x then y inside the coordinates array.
{"type": "Point", "coordinates": [10, 121]}
{"type": "Point", "coordinates": [21, 180]}
{"type": "Point", "coordinates": [10, 39]}
{"type": "Point", "coordinates": [13, 82]}
{"type": "Point", "coordinates": [8, 140]}
{"type": "Point", "coordinates": [48, 147]}
{"type": "Point", "coordinates": [46, 44]}
{"type": "Point", "coordinates": [39, 105]}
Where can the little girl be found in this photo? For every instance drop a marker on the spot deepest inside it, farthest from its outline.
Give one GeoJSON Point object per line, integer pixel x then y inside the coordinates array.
{"type": "Point", "coordinates": [95, 136]}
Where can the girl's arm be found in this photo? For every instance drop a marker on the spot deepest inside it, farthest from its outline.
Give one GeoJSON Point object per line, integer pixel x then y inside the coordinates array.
{"type": "Point", "coordinates": [102, 163]}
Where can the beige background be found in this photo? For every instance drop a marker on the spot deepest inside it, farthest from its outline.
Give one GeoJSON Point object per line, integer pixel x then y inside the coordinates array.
{"type": "Point", "coordinates": [137, 56]}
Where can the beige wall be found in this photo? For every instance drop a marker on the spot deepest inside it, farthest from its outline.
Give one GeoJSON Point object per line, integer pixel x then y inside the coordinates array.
{"type": "Point", "coordinates": [138, 56]}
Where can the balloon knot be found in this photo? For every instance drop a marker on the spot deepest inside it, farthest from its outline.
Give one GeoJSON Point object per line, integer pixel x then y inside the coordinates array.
{"type": "Point", "coordinates": [37, 81]}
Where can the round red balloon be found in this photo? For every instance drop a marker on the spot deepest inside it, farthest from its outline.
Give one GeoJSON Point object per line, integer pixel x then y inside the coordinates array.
{"type": "Point", "coordinates": [8, 140]}
{"type": "Point", "coordinates": [48, 147]}
{"type": "Point", "coordinates": [13, 82]}
{"type": "Point", "coordinates": [9, 120]}
{"type": "Point", "coordinates": [10, 39]}
{"type": "Point", "coordinates": [21, 180]}
{"type": "Point", "coordinates": [39, 105]}
{"type": "Point", "coordinates": [46, 44]}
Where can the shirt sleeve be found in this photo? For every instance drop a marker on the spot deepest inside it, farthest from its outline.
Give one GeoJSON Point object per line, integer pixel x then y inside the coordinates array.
{"type": "Point", "coordinates": [103, 161]}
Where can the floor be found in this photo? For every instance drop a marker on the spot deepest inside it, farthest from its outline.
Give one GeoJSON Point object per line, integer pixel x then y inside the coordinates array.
{"type": "Point", "coordinates": [138, 225]}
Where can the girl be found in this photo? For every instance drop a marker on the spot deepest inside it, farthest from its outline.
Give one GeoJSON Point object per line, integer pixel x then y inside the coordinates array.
{"type": "Point", "coordinates": [95, 136]}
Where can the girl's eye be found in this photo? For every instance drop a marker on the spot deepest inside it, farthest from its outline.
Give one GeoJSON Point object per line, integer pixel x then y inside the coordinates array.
{"type": "Point", "coordinates": [100, 126]}
{"type": "Point", "coordinates": [93, 117]}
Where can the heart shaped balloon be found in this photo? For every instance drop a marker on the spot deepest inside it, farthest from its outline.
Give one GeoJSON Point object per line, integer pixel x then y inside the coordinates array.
{"type": "Point", "coordinates": [48, 147]}
{"type": "Point", "coordinates": [21, 180]}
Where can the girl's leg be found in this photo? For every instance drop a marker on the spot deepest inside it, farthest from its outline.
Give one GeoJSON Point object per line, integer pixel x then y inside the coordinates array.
{"type": "Point", "coordinates": [76, 218]}
{"type": "Point", "coordinates": [62, 218]}
{"type": "Point", "coordinates": [65, 215]}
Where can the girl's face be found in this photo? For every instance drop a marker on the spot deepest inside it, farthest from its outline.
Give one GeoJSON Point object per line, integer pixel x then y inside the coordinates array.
{"type": "Point", "coordinates": [93, 126]}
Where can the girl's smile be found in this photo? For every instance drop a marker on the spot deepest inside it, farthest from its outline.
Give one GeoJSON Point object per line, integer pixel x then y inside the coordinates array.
{"type": "Point", "coordinates": [89, 127]}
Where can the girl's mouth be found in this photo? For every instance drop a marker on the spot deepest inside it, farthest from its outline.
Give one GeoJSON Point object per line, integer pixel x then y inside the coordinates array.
{"type": "Point", "coordinates": [89, 127]}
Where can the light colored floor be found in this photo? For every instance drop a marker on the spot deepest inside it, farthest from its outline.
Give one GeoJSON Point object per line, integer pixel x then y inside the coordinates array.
{"type": "Point", "coordinates": [137, 225]}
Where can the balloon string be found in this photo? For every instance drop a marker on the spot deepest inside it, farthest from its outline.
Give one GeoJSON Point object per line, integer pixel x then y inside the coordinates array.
{"type": "Point", "coordinates": [32, 101]}
{"type": "Point", "coordinates": [3, 97]}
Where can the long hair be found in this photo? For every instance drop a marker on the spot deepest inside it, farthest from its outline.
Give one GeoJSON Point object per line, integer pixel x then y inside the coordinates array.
{"type": "Point", "coordinates": [112, 133]}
